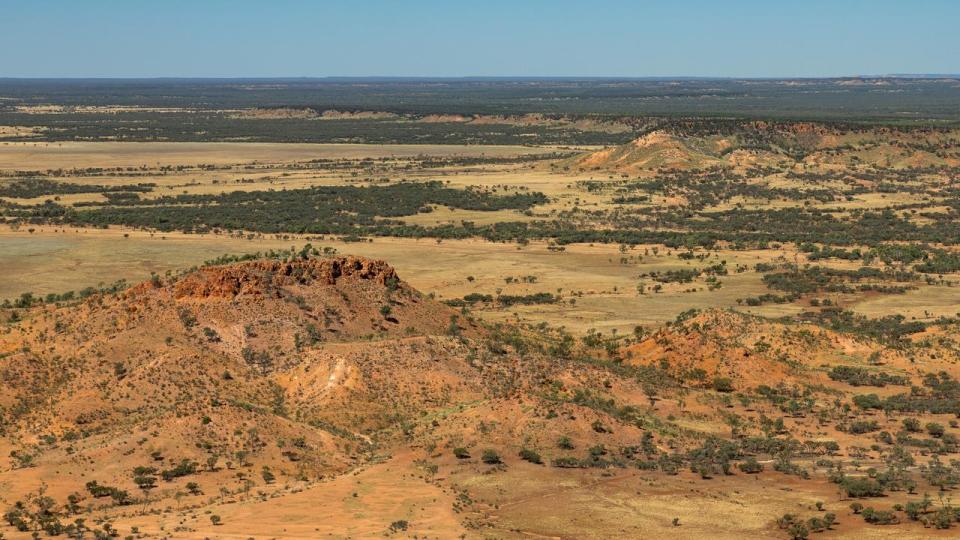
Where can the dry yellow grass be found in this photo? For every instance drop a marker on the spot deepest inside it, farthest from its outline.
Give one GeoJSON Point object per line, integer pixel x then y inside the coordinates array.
{"type": "Point", "coordinates": [42, 156]}
{"type": "Point", "coordinates": [599, 290]}
{"type": "Point", "coordinates": [415, 478]}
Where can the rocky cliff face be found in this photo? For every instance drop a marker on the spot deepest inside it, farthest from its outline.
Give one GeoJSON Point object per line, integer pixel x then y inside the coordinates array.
{"type": "Point", "coordinates": [265, 276]}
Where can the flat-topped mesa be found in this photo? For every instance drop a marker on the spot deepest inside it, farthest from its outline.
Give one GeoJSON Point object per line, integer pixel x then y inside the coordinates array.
{"type": "Point", "coordinates": [343, 297]}
{"type": "Point", "coordinates": [258, 277]}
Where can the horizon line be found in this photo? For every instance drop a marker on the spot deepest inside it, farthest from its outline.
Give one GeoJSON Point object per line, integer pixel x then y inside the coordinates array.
{"type": "Point", "coordinates": [478, 77]}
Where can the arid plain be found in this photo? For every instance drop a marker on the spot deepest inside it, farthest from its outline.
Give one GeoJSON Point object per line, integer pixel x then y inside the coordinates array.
{"type": "Point", "coordinates": [716, 329]}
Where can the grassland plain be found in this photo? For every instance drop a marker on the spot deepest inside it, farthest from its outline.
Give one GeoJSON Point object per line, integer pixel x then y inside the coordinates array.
{"type": "Point", "coordinates": [53, 259]}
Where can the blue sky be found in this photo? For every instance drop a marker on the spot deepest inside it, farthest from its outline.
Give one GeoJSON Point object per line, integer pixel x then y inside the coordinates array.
{"type": "Point", "coordinates": [220, 38]}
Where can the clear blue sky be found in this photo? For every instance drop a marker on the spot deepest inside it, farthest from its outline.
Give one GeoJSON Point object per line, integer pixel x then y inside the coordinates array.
{"type": "Point", "coordinates": [231, 38]}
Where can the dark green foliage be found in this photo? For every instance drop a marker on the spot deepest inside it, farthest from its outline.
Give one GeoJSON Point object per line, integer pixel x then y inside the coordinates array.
{"type": "Point", "coordinates": [184, 468]}
{"type": "Point", "coordinates": [316, 210]}
{"type": "Point", "coordinates": [730, 99]}
{"type": "Point", "coordinates": [879, 517]}
{"type": "Point", "coordinates": [798, 529]}
{"type": "Point", "coordinates": [935, 430]}
{"type": "Point", "coordinates": [40, 512]}
{"type": "Point", "coordinates": [863, 426]}
{"type": "Point", "coordinates": [211, 334]}
{"type": "Point", "coordinates": [892, 329]}
{"type": "Point", "coordinates": [530, 455]}
{"type": "Point", "coordinates": [145, 482]}
{"type": "Point", "coordinates": [722, 384]}
{"type": "Point", "coordinates": [29, 188]}
{"type": "Point", "coordinates": [861, 487]}
{"type": "Point", "coordinates": [822, 279]}
{"type": "Point", "coordinates": [713, 457]}
{"type": "Point", "coordinates": [857, 376]}
{"type": "Point", "coordinates": [187, 318]}
{"type": "Point", "coordinates": [568, 462]}
{"type": "Point", "coordinates": [940, 394]}
{"type": "Point", "coordinates": [868, 401]}
{"type": "Point", "coordinates": [98, 491]}
{"type": "Point", "coordinates": [490, 457]}
{"type": "Point", "coordinates": [751, 466]}
{"type": "Point", "coordinates": [267, 475]}
{"type": "Point", "coordinates": [505, 300]}
{"type": "Point", "coordinates": [529, 299]}
{"type": "Point", "coordinates": [469, 300]}
{"type": "Point", "coordinates": [943, 262]}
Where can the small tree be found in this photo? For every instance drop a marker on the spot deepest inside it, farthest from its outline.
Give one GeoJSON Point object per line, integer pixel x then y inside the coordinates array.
{"type": "Point", "coordinates": [600, 427]}
{"type": "Point", "coordinates": [145, 483]}
{"type": "Point", "coordinates": [798, 531]}
{"type": "Point", "coordinates": [722, 384]}
{"type": "Point", "coordinates": [935, 430]}
{"type": "Point", "coordinates": [491, 457]}
{"type": "Point", "coordinates": [911, 424]}
{"type": "Point", "coordinates": [751, 466]}
{"type": "Point", "coordinates": [267, 475]}
{"type": "Point", "coordinates": [529, 455]}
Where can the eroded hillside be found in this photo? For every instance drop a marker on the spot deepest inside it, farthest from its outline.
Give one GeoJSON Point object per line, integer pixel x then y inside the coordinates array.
{"type": "Point", "coordinates": [226, 401]}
